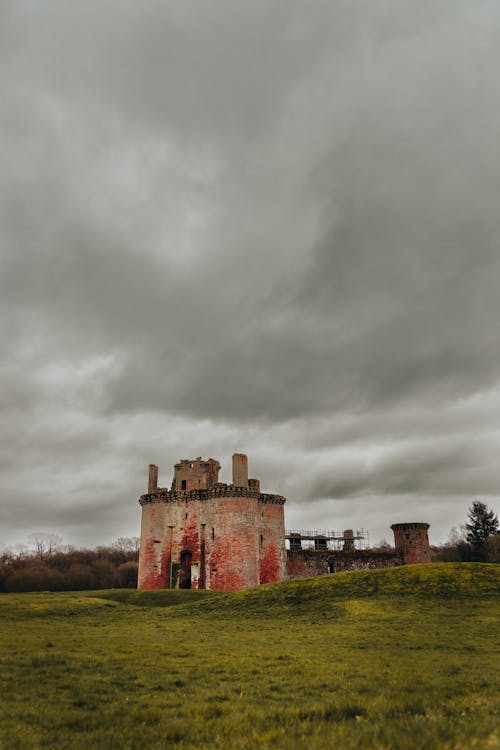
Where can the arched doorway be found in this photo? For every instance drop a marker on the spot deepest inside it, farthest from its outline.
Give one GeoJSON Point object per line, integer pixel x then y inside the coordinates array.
{"type": "Point", "coordinates": [185, 571]}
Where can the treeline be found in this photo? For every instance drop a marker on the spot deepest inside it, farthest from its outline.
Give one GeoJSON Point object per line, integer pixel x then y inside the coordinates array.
{"type": "Point", "coordinates": [478, 540]}
{"type": "Point", "coordinates": [463, 551]}
{"type": "Point", "coordinates": [46, 565]}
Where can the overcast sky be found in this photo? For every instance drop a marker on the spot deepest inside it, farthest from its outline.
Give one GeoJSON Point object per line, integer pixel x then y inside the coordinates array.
{"type": "Point", "coordinates": [246, 226]}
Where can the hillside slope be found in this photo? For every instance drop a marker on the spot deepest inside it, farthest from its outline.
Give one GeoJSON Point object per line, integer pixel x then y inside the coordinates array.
{"type": "Point", "coordinates": [401, 659]}
{"type": "Point", "coordinates": [437, 580]}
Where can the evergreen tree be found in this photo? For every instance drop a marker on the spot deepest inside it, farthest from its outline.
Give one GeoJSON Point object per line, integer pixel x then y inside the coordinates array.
{"type": "Point", "coordinates": [482, 524]}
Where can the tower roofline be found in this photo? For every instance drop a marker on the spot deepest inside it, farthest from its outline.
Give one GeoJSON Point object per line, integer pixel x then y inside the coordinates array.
{"type": "Point", "coordinates": [409, 526]}
{"type": "Point", "coordinates": [164, 495]}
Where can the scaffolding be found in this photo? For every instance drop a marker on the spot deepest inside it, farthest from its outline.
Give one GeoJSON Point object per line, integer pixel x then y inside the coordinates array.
{"type": "Point", "coordinates": [323, 539]}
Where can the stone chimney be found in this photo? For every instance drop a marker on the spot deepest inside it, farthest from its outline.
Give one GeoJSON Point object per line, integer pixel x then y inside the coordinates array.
{"type": "Point", "coordinates": [240, 470]}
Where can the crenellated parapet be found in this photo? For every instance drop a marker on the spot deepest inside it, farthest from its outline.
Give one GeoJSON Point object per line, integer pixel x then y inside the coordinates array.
{"type": "Point", "coordinates": [411, 526]}
{"type": "Point", "coordinates": [165, 495]}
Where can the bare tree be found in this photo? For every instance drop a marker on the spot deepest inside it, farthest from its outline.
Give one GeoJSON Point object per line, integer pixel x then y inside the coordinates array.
{"type": "Point", "coordinates": [127, 544]}
{"type": "Point", "coordinates": [45, 544]}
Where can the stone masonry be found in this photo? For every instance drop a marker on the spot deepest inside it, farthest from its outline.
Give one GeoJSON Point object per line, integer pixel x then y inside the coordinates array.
{"type": "Point", "coordinates": [201, 533]}
{"type": "Point", "coordinates": [412, 542]}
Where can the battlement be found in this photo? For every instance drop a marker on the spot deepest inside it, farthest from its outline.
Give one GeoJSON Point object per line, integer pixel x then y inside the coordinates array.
{"type": "Point", "coordinates": [164, 495]}
{"type": "Point", "coordinates": [411, 526]}
{"type": "Point", "coordinates": [198, 479]}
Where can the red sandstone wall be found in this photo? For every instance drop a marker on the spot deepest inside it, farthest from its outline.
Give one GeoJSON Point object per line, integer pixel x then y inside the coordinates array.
{"type": "Point", "coordinates": [272, 553]}
{"type": "Point", "coordinates": [232, 556]}
{"type": "Point", "coordinates": [412, 542]}
{"type": "Point", "coordinates": [152, 551]}
{"type": "Point", "coordinates": [234, 541]}
{"type": "Point", "coordinates": [204, 534]}
{"type": "Point", "coordinates": [306, 563]}
{"type": "Point", "coordinates": [197, 474]}
{"type": "Point", "coordinates": [222, 535]}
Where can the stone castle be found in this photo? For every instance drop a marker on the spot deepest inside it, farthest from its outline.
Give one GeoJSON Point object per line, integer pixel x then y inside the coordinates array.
{"type": "Point", "coordinates": [204, 534]}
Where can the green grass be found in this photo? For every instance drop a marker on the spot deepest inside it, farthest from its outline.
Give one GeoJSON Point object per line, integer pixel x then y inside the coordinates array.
{"type": "Point", "coordinates": [375, 660]}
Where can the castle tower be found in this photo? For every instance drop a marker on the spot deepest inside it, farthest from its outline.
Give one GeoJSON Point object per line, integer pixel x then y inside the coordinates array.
{"type": "Point", "coordinates": [412, 542]}
{"type": "Point", "coordinates": [204, 534]}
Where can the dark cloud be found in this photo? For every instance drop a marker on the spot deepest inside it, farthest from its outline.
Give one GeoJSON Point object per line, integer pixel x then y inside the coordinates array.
{"type": "Point", "coordinates": [256, 227]}
{"type": "Point", "coordinates": [429, 468]}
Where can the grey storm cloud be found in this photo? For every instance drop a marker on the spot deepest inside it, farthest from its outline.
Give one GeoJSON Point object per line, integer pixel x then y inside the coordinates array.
{"type": "Point", "coordinates": [255, 226]}
{"type": "Point", "coordinates": [411, 469]}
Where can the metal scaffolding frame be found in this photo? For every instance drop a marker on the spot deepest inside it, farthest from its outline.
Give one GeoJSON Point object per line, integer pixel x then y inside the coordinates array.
{"type": "Point", "coordinates": [325, 539]}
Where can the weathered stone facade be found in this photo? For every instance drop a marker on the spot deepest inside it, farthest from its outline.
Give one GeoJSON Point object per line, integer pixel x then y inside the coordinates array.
{"type": "Point", "coordinates": [412, 542]}
{"type": "Point", "coordinates": [202, 533]}
{"type": "Point", "coordinates": [302, 563]}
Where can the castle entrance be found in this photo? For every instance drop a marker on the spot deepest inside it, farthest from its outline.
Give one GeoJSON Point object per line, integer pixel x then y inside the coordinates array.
{"type": "Point", "coordinates": [185, 571]}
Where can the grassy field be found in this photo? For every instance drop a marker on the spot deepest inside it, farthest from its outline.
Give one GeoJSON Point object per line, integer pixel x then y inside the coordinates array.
{"type": "Point", "coordinates": [382, 659]}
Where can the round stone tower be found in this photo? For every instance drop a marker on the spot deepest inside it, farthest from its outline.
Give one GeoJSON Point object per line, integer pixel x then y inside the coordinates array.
{"type": "Point", "coordinates": [412, 542]}
{"type": "Point", "coordinates": [202, 533]}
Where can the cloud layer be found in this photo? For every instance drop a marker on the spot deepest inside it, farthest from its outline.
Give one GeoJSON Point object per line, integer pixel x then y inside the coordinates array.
{"type": "Point", "coordinates": [256, 227]}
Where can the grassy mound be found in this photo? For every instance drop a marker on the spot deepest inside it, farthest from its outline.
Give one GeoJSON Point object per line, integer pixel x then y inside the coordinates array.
{"type": "Point", "coordinates": [19, 607]}
{"type": "Point", "coordinates": [74, 603]}
{"type": "Point", "coordinates": [401, 659]}
{"type": "Point", "coordinates": [160, 598]}
{"type": "Point", "coordinates": [444, 580]}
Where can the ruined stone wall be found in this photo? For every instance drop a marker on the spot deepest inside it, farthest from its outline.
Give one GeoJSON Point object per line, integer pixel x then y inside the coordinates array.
{"type": "Point", "coordinates": [303, 563]}
{"type": "Point", "coordinates": [152, 550]}
{"type": "Point", "coordinates": [224, 537]}
{"type": "Point", "coordinates": [412, 542]}
{"type": "Point", "coordinates": [195, 474]}
{"type": "Point", "coordinates": [272, 553]}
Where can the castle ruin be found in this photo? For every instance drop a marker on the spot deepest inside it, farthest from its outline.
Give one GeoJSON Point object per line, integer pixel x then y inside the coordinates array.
{"type": "Point", "coordinates": [201, 533]}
